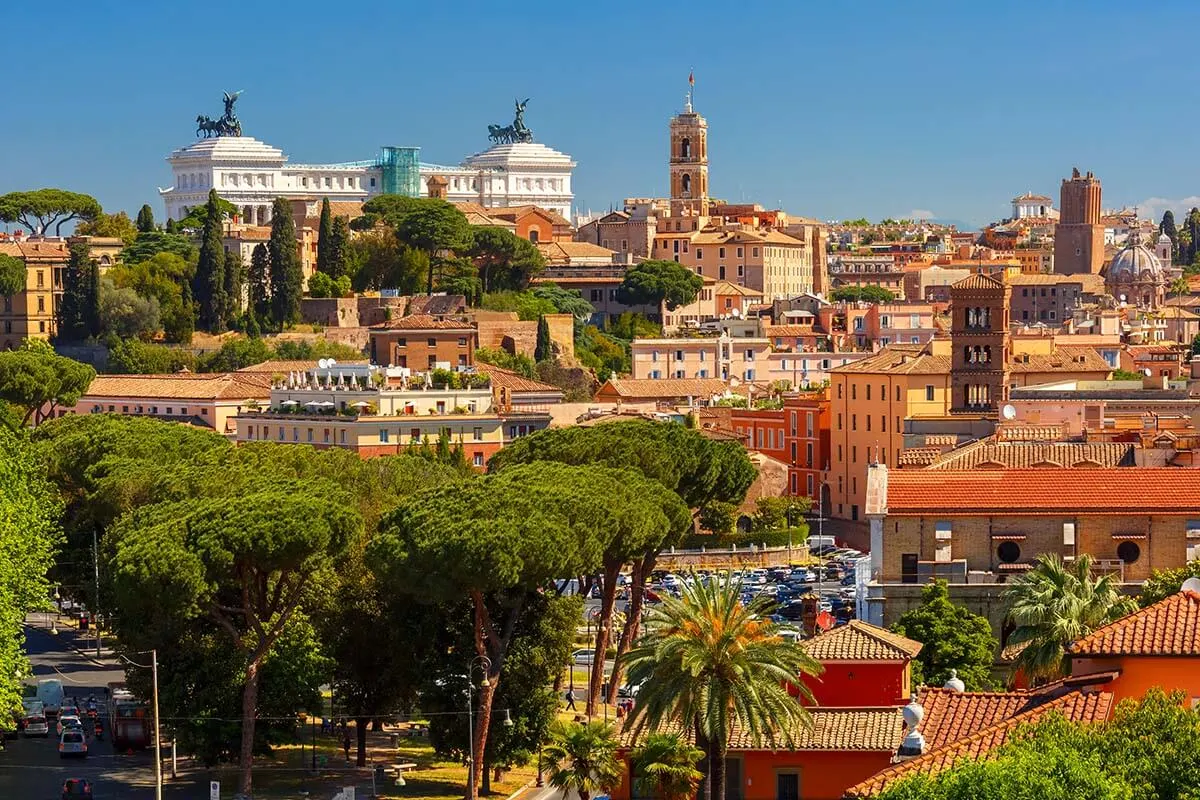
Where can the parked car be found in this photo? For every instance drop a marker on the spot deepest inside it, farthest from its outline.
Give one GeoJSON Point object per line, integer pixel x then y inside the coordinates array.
{"type": "Point", "coordinates": [628, 692]}
{"type": "Point", "coordinates": [72, 743]}
{"type": "Point", "coordinates": [74, 788]}
{"type": "Point", "coordinates": [36, 725]}
{"type": "Point", "coordinates": [583, 656]}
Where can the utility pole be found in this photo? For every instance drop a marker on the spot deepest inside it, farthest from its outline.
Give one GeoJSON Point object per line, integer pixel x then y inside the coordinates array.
{"type": "Point", "coordinates": [158, 779]}
{"type": "Point", "coordinates": [96, 569]}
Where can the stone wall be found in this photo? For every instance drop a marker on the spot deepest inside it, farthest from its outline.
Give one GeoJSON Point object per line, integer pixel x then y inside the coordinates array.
{"type": "Point", "coordinates": [731, 559]}
{"type": "Point", "coordinates": [562, 334]}
{"type": "Point", "coordinates": [332, 312]}
{"type": "Point", "coordinates": [507, 333]}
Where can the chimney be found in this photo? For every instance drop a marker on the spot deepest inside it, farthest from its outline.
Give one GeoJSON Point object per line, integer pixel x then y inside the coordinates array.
{"type": "Point", "coordinates": [809, 608]}
{"type": "Point", "coordinates": [914, 742]}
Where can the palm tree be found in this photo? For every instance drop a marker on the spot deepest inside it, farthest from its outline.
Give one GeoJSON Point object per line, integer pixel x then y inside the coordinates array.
{"type": "Point", "coordinates": [664, 767]}
{"type": "Point", "coordinates": [582, 758]}
{"type": "Point", "coordinates": [1053, 605]}
{"type": "Point", "coordinates": [1179, 287]}
{"type": "Point", "coordinates": [708, 664]}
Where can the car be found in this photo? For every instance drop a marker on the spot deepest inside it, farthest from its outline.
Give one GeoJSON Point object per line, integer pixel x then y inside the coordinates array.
{"type": "Point", "coordinates": [792, 611]}
{"type": "Point", "coordinates": [72, 743]}
{"type": "Point", "coordinates": [583, 656]}
{"type": "Point", "coordinates": [69, 722]}
{"type": "Point", "coordinates": [36, 725]}
{"type": "Point", "coordinates": [76, 787]}
{"type": "Point", "coordinates": [628, 692]}
{"type": "Point", "coordinates": [50, 692]}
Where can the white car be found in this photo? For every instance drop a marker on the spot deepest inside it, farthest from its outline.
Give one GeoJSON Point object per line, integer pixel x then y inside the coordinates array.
{"type": "Point", "coordinates": [583, 656]}
{"type": "Point", "coordinates": [67, 722]}
{"type": "Point", "coordinates": [36, 725]}
{"type": "Point", "coordinates": [72, 743]}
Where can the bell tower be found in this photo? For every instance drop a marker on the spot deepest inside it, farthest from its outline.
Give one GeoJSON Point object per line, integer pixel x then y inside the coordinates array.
{"type": "Point", "coordinates": [979, 338]}
{"type": "Point", "coordinates": [689, 162]}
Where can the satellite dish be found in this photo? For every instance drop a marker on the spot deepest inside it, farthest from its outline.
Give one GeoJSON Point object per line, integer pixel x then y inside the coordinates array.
{"type": "Point", "coordinates": [323, 363]}
{"type": "Point", "coordinates": [1008, 412]}
{"type": "Point", "coordinates": [1191, 585]}
{"type": "Point", "coordinates": [331, 362]}
{"type": "Point", "coordinates": [1146, 372]}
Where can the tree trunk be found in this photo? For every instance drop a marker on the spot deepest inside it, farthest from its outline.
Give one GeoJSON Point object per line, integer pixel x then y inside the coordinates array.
{"type": "Point", "coordinates": [608, 593]}
{"type": "Point", "coordinates": [360, 730]}
{"type": "Point", "coordinates": [633, 618]}
{"type": "Point", "coordinates": [249, 715]}
{"type": "Point", "coordinates": [485, 786]}
{"type": "Point", "coordinates": [716, 770]}
{"type": "Point", "coordinates": [487, 693]}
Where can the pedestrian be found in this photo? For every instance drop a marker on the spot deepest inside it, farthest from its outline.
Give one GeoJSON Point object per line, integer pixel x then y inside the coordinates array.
{"type": "Point", "coordinates": [570, 699]}
{"type": "Point", "coordinates": [346, 744]}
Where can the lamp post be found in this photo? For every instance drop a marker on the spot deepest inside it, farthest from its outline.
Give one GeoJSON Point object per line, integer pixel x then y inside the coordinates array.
{"type": "Point", "coordinates": [484, 664]}
{"type": "Point", "coordinates": [153, 667]}
{"type": "Point", "coordinates": [96, 572]}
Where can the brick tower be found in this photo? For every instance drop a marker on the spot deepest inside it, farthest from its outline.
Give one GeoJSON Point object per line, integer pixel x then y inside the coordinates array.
{"type": "Point", "coordinates": [1079, 235]}
{"type": "Point", "coordinates": [979, 340]}
{"type": "Point", "coordinates": [689, 163]}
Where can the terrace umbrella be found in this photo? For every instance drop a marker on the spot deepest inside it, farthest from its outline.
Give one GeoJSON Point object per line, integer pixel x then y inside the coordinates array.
{"type": "Point", "coordinates": [361, 404]}
{"type": "Point", "coordinates": [289, 403]}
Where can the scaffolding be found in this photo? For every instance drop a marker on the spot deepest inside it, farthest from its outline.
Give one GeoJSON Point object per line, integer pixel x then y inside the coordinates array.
{"type": "Point", "coordinates": [400, 168]}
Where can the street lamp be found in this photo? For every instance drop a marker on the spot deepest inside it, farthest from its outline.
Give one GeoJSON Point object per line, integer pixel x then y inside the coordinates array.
{"type": "Point", "coordinates": [153, 667]}
{"type": "Point", "coordinates": [484, 664]}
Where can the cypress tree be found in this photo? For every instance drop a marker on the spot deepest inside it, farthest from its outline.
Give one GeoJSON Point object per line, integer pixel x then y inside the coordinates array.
{"type": "Point", "coordinates": [208, 287]}
{"type": "Point", "coordinates": [92, 300]}
{"type": "Point", "coordinates": [325, 239]}
{"type": "Point", "coordinates": [544, 350]}
{"type": "Point", "coordinates": [339, 241]}
{"type": "Point", "coordinates": [73, 311]}
{"type": "Point", "coordinates": [287, 278]}
{"type": "Point", "coordinates": [235, 279]}
{"type": "Point", "coordinates": [145, 219]}
{"type": "Point", "coordinates": [259, 279]}
{"type": "Point", "coordinates": [185, 326]}
{"type": "Point", "coordinates": [172, 226]}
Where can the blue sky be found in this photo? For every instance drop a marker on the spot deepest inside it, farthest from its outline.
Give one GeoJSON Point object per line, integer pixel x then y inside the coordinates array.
{"type": "Point", "coordinates": [831, 110]}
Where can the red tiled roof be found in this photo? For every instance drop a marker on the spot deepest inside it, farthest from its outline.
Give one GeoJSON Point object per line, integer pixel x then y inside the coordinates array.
{"type": "Point", "coordinates": [859, 641]}
{"type": "Point", "coordinates": [423, 322]}
{"type": "Point", "coordinates": [1082, 707]}
{"type": "Point", "coordinates": [951, 715]}
{"type": "Point", "coordinates": [513, 381]}
{"type": "Point", "coordinates": [1170, 627]}
{"type": "Point", "coordinates": [664, 388]}
{"type": "Point", "coordinates": [1051, 490]}
{"type": "Point", "coordinates": [833, 729]}
{"type": "Point", "coordinates": [180, 386]}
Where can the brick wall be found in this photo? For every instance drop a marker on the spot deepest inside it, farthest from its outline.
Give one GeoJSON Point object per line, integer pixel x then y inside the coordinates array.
{"type": "Point", "coordinates": [509, 334]}
{"type": "Point", "coordinates": [332, 312]}
{"type": "Point", "coordinates": [562, 333]}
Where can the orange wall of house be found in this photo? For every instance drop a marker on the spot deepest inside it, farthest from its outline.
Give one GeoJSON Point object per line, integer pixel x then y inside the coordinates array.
{"type": "Point", "coordinates": [532, 222]}
{"type": "Point", "coordinates": [824, 775]}
{"type": "Point", "coordinates": [1142, 673]}
{"type": "Point", "coordinates": [860, 684]}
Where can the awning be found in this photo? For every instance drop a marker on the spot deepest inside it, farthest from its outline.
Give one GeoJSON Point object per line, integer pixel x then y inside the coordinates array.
{"type": "Point", "coordinates": [1130, 536]}
{"type": "Point", "coordinates": [1017, 567]}
{"type": "Point", "coordinates": [1008, 537]}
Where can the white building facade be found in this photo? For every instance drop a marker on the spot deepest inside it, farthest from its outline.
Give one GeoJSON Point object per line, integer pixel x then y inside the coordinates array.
{"type": "Point", "coordinates": [250, 174]}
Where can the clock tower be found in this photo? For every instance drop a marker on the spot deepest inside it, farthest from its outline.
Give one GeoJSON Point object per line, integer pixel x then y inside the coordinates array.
{"type": "Point", "coordinates": [689, 162]}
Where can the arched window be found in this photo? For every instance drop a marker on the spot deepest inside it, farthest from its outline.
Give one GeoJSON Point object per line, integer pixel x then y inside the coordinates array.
{"type": "Point", "coordinates": [687, 185]}
{"type": "Point", "coordinates": [685, 148]}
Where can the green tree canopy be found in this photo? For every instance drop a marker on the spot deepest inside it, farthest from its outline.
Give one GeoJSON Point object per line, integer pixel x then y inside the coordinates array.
{"type": "Point", "coordinates": [509, 534]}
{"type": "Point", "coordinates": [198, 216]}
{"type": "Point", "coordinates": [953, 639]}
{"type": "Point", "coordinates": [37, 210]}
{"type": "Point", "coordinates": [1163, 583]}
{"type": "Point", "coordinates": [286, 274]}
{"type": "Point", "coordinates": [150, 243]}
{"type": "Point", "coordinates": [504, 260]}
{"type": "Point", "coordinates": [582, 758]}
{"type": "Point", "coordinates": [78, 312]}
{"type": "Point", "coordinates": [162, 276]}
{"type": "Point", "coordinates": [136, 357]}
{"type": "Point", "coordinates": [37, 380]}
{"type": "Point", "coordinates": [869, 293]}
{"type": "Point", "coordinates": [324, 237]}
{"type": "Point", "coordinates": [117, 226]}
{"type": "Point", "coordinates": [435, 227]}
{"type": "Point", "coordinates": [565, 301]}
{"type": "Point", "coordinates": [655, 282]}
{"type": "Point", "coordinates": [1053, 605]}
{"type": "Point", "coordinates": [145, 219]}
{"type": "Point", "coordinates": [125, 313]}
{"type": "Point", "coordinates": [12, 275]}
{"type": "Point", "coordinates": [249, 563]}
{"type": "Point", "coordinates": [664, 767]}
{"type": "Point", "coordinates": [29, 535]}
{"type": "Point", "coordinates": [707, 663]}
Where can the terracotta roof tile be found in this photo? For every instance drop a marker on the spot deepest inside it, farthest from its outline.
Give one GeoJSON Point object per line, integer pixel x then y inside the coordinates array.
{"type": "Point", "coordinates": [989, 454]}
{"type": "Point", "coordinates": [725, 287]}
{"type": "Point", "coordinates": [665, 388]}
{"type": "Point", "coordinates": [919, 456]}
{"type": "Point", "coordinates": [513, 381]}
{"type": "Point", "coordinates": [1063, 359]}
{"type": "Point", "coordinates": [951, 715]}
{"type": "Point", "coordinates": [223, 386]}
{"type": "Point", "coordinates": [898, 359]}
{"type": "Point", "coordinates": [978, 281]}
{"type": "Point", "coordinates": [272, 367]}
{"type": "Point", "coordinates": [833, 729]}
{"type": "Point", "coordinates": [1081, 707]}
{"type": "Point", "coordinates": [1170, 627]}
{"type": "Point", "coordinates": [1163, 490]}
{"type": "Point", "coordinates": [423, 322]}
{"type": "Point", "coordinates": [788, 330]}
{"type": "Point", "coordinates": [859, 641]}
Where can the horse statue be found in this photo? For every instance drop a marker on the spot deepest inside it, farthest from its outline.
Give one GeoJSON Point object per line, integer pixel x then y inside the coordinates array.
{"type": "Point", "coordinates": [516, 132]}
{"type": "Point", "coordinates": [498, 133]}
{"type": "Point", "coordinates": [227, 125]}
{"type": "Point", "coordinates": [208, 127]}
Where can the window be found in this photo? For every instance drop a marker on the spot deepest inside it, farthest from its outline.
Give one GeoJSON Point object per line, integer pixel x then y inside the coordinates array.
{"type": "Point", "coordinates": [808, 424]}
{"type": "Point", "coordinates": [699, 253]}
{"type": "Point", "coordinates": [929, 392]}
{"type": "Point", "coordinates": [533, 234]}
{"type": "Point", "coordinates": [41, 304]}
{"type": "Point", "coordinates": [854, 422]}
{"type": "Point", "coordinates": [383, 435]}
{"type": "Point", "coordinates": [853, 454]}
{"type": "Point", "coordinates": [755, 252]}
{"type": "Point", "coordinates": [462, 341]}
{"type": "Point", "coordinates": [654, 355]}
{"type": "Point", "coordinates": [477, 459]}
{"type": "Point", "coordinates": [739, 252]}
{"type": "Point", "coordinates": [808, 455]}
{"type": "Point", "coordinates": [310, 434]}
{"type": "Point", "coordinates": [402, 342]}
{"type": "Point", "coordinates": [431, 341]}
{"type": "Point", "coordinates": [1008, 552]}
{"type": "Point", "coordinates": [810, 484]}
{"type": "Point", "coordinates": [741, 269]}
{"type": "Point", "coordinates": [477, 434]}
{"type": "Point", "coordinates": [679, 355]}
{"type": "Point", "coordinates": [597, 295]}
{"type": "Point", "coordinates": [1129, 552]}
{"type": "Point", "coordinates": [749, 356]}
{"type": "Point", "coordinates": [41, 279]}
{"type": "Point", "coordinates": [720, 252]}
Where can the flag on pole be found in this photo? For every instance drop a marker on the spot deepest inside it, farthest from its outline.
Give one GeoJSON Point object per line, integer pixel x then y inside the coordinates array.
{"type": "Point", "coordinates": [691, 79]}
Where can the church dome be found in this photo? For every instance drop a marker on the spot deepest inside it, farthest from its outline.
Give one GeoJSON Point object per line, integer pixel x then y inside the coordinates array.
{"type": "Point", "coordinates": [1135, 261]}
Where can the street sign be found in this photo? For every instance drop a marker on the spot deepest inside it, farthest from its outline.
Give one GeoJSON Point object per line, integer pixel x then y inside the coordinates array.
{"type": "Point", "coordinates": [214, 790]}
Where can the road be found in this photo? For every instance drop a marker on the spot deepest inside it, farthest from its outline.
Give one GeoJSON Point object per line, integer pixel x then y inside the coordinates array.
{"type": "Point", "coordinates": [32, 769]}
